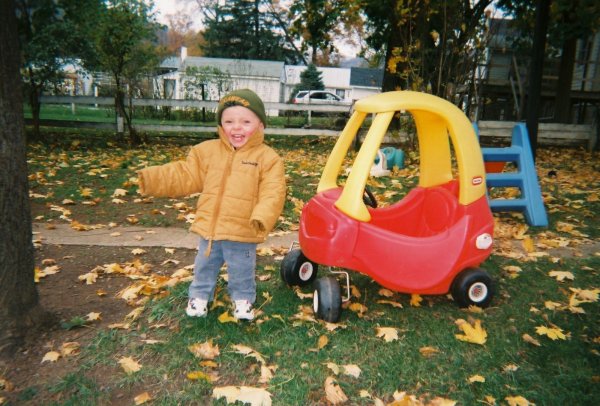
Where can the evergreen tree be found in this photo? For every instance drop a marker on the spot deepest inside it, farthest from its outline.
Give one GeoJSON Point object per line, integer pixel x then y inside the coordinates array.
{"type": "Point", "coordinates": [244, 29]}
{"type": "Point", "coordinates": [310, 79]}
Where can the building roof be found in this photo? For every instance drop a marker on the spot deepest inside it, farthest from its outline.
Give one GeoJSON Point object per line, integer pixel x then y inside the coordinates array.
{"type": "Point", "coordinates": [366, 77]}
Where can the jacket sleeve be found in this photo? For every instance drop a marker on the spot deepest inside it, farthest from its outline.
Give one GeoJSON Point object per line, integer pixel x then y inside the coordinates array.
{"type": "Point", "coordinates": [175, 179]}
{"type": "Point", "coordinates": [271, 196]}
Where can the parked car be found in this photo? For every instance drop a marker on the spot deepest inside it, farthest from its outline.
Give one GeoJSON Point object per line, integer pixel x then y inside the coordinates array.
{"type": "Point", "coordinates": [318, 97]}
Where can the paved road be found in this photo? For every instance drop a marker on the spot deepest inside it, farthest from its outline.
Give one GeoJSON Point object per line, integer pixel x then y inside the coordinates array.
{"type": "Point", "coordinates": [133, 236]}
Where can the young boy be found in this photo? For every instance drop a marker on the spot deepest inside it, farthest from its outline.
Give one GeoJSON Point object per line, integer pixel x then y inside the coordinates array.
{"type": "Point", "coordinates": [242, 186]}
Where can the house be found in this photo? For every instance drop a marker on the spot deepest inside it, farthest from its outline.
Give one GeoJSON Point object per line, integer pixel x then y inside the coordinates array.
{"type": "Point", "coordinates": [217, 76]}
{"type": "Point", "coordinates": [501, 80]}
{"type": "Point", "coordinates": [365, 82]}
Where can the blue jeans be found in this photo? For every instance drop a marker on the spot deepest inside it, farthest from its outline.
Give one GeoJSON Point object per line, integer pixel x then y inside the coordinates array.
{"type": "Point", "coordinates": [241, 263]}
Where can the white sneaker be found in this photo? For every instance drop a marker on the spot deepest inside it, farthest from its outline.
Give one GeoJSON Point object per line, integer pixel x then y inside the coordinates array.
{"type": "Point", "coordinates": [197, 307]}
{"type": "Point", "coordinates": [243, 310]}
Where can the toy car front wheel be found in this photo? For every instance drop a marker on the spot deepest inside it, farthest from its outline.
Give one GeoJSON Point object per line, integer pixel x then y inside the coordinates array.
{"type": "Point", "coordinates": [473, 286]}
{"type": "Point", "coordinates": [298, 270]}
{"type": "Point", "coordinates": [327, 299]}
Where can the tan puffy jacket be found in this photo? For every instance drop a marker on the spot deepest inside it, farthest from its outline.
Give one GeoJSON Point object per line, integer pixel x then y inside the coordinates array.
{"type": "Point", "coordinates": [242, 191]}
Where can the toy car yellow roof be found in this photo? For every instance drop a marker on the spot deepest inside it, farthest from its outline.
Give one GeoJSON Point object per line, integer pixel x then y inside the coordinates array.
{"type": "Point", "coordinates": [437, 122]}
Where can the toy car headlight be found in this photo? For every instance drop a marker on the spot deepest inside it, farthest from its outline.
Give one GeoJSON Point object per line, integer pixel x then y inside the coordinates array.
{"type": "Point", "coordinates": [484, 241]}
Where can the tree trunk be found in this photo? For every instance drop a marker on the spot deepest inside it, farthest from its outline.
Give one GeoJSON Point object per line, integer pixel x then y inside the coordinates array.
{"type": "Point", "coordinates": [19, 304]}
{"type": "Point", "coordinates": [134, 137]}
{"type": "Point", "coordinates": [536, 71]}
{"type": "Point", "coordinates": [562, 106]}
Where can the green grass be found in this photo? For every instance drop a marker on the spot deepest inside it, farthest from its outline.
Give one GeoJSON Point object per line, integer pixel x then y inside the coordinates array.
{"type": "Point", "coordinates": [146, 115]}
{"type": "Point", "coordinates": [558, 372]}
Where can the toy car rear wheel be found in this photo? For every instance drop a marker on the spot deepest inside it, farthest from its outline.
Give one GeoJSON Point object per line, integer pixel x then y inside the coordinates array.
{"type": "Point", "coordinates": [473, 286]}
{"type": "Point", "coordinates": [327, 299]}
{"type": "Point", "coordinates": [297, 270]}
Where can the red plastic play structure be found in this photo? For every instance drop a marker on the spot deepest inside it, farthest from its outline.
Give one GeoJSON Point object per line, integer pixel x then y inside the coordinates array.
{"type": "Point", "coordinates": [430, 242]}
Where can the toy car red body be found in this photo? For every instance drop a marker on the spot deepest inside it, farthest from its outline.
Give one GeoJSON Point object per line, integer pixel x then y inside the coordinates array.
{"type": "Point", "coordinates": [430, 242]}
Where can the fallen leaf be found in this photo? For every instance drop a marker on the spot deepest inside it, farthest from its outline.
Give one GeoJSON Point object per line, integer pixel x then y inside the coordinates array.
{"type": "Point", "coordinates": [553, 333]}
{"type": "Point", "coordinates": [51, 356]}
{"type": "Point", "coordinates": [415, 300]}
{"type": "Point", "coordinates": [129, 365]}
{"type": "Point", "coordinates": [391, 303]}
{"type": "Point", "coordinates": [199, 375]}
{"type": "Point", "coordinates": [93, 316]}
{"type": "Point", "coordinates": [385, 292]}
{"type": "Point", "coordinates": [245, 394]}
{"type": "Point", "coordinates": [428, 351]}
{"type": "Point", "coordinates": [518, 401]}
{"type": "Point", "coordinates": [387, 333]}
{"type": "Point", "coordinates": [138, 251]}
{"type": "Point", "coordinates": [333, 392]}
{"type": "Point", "coordinates": [227, 318]}
{"type": "Point", "coordinates": [510, 368]}
{"type": "Point", "coordinates": [561, 275]}
{"type": "Point", "coordinates": [206, 350]}
{"type": "Point", "coordinates": [476, 378]}
{"type": "Point", "coordinates": [323, 340]}
{"type": "Point", "coordinates": [473, 333]}
{"type": "Point", "coordinates": [142, 398]}
{"type": "Point", "coordinates": [119, 192]}
{"type": "Point", "coordinates": [529, 339]}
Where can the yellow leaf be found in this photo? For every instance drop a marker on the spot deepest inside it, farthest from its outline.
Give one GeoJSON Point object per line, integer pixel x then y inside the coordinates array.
{"type": "Point", "coordinates": [510, 368]}
{"type": "Point", "coordinates": [205, 350]}
{"type": "Point", "coordinates": [352, 370]}
{"type": "Point", "coordinates": [135, 313]}
{"type": "Point", "coordinates": [142, 398]}
{"type": "Point", "coordinates": [438, 401]}
{"type": "Point", "coordinates": [333, 392]}
{"type": "Point", "coordinates": [518, 401]}
{"type": "Point", "coordinates": [415, 300]}
{"type": "Point", "coordinates": [85, 192]}
{"type": "Point", "coordinates": [473, 333]}
{"type": "Point", "coordinates": [358, 308]}
{"type": "Point", "coordinates": [198, 375]}
{"type": "Point", "coordinates": [51, 356]}
{"type": "Point", "coordinates": [553, 333]}
{"type": "Point", "coordinates": [266, 374]}
{"type": "Point", "coordinates": [387, 333]}
{"type": "Point", "coordinates": [561, 275]}
{"type": "Point", "coordinates": [129, 365]}
{"type": "Point", "coordinates": [323, 340]}
{"type": "Point", "coordinates": [89, 278]}
{"type": "Point", "coordinates": [385, 292]}
{"type": "Point", "coordinates": [334, 367]}
{"type": "Point", "coordinates": [428, 351]}
{"type": "Point", "coordinates": [245, 394]}
{"type": "Point", "coordinates": [476, 378]}
{"type": "Point", "coordinates": [138, 251]}
{"type": "Point", "coordinates": [119, 192]}
{"type": "Point", "coordinates": [531, 340]}
{"type": "Point", "coordinates": [528, 244]}
{"type": "Point", "coordinates": [552, 305]}
{"type": "Point", "coordinates": [391, 303]}
{"type": "Point", "coordinates": [94, 316]}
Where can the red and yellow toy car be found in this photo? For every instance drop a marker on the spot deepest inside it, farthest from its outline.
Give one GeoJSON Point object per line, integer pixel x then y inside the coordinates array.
{"type": "Point", "coordinates": [430, 242]}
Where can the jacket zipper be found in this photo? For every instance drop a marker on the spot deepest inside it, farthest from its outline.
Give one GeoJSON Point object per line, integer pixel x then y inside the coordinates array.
{"type": "Point", "coordinates": [217, 209]}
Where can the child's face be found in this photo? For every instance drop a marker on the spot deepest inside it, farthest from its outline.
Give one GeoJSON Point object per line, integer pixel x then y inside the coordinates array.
{"type": "Point", "coordinates": [239, 123]}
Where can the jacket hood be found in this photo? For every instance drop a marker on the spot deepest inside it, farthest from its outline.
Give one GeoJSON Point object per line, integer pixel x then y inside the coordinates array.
{"type": "Point", "coordinates": [255, 139]}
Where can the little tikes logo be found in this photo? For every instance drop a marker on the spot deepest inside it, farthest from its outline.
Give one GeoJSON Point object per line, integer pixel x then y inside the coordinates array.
{"type": "Point", "coordinates": [477, 180]}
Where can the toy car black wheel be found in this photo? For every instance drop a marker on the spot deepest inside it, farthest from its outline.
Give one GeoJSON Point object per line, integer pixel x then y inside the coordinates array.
{"type": "Point", "coordinates": [369, 198]}
{"type": "Point", "coordinates": [472, 286]}
{"type": "Point", "coordinates": [298, 270]}
{"type": "Point", "coordinates": [327, 299]}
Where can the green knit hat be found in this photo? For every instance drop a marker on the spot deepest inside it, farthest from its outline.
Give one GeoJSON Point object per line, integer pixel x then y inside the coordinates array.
{"type": "Point", "coordinates": [243, 97]}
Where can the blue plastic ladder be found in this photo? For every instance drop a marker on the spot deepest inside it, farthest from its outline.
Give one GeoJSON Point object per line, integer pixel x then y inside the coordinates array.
{"type": "Point", "coordinates": [525, 178]}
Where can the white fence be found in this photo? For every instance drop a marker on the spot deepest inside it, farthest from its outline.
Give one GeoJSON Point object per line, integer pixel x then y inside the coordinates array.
{"type": "Point", "coordinates": [548, 133]}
